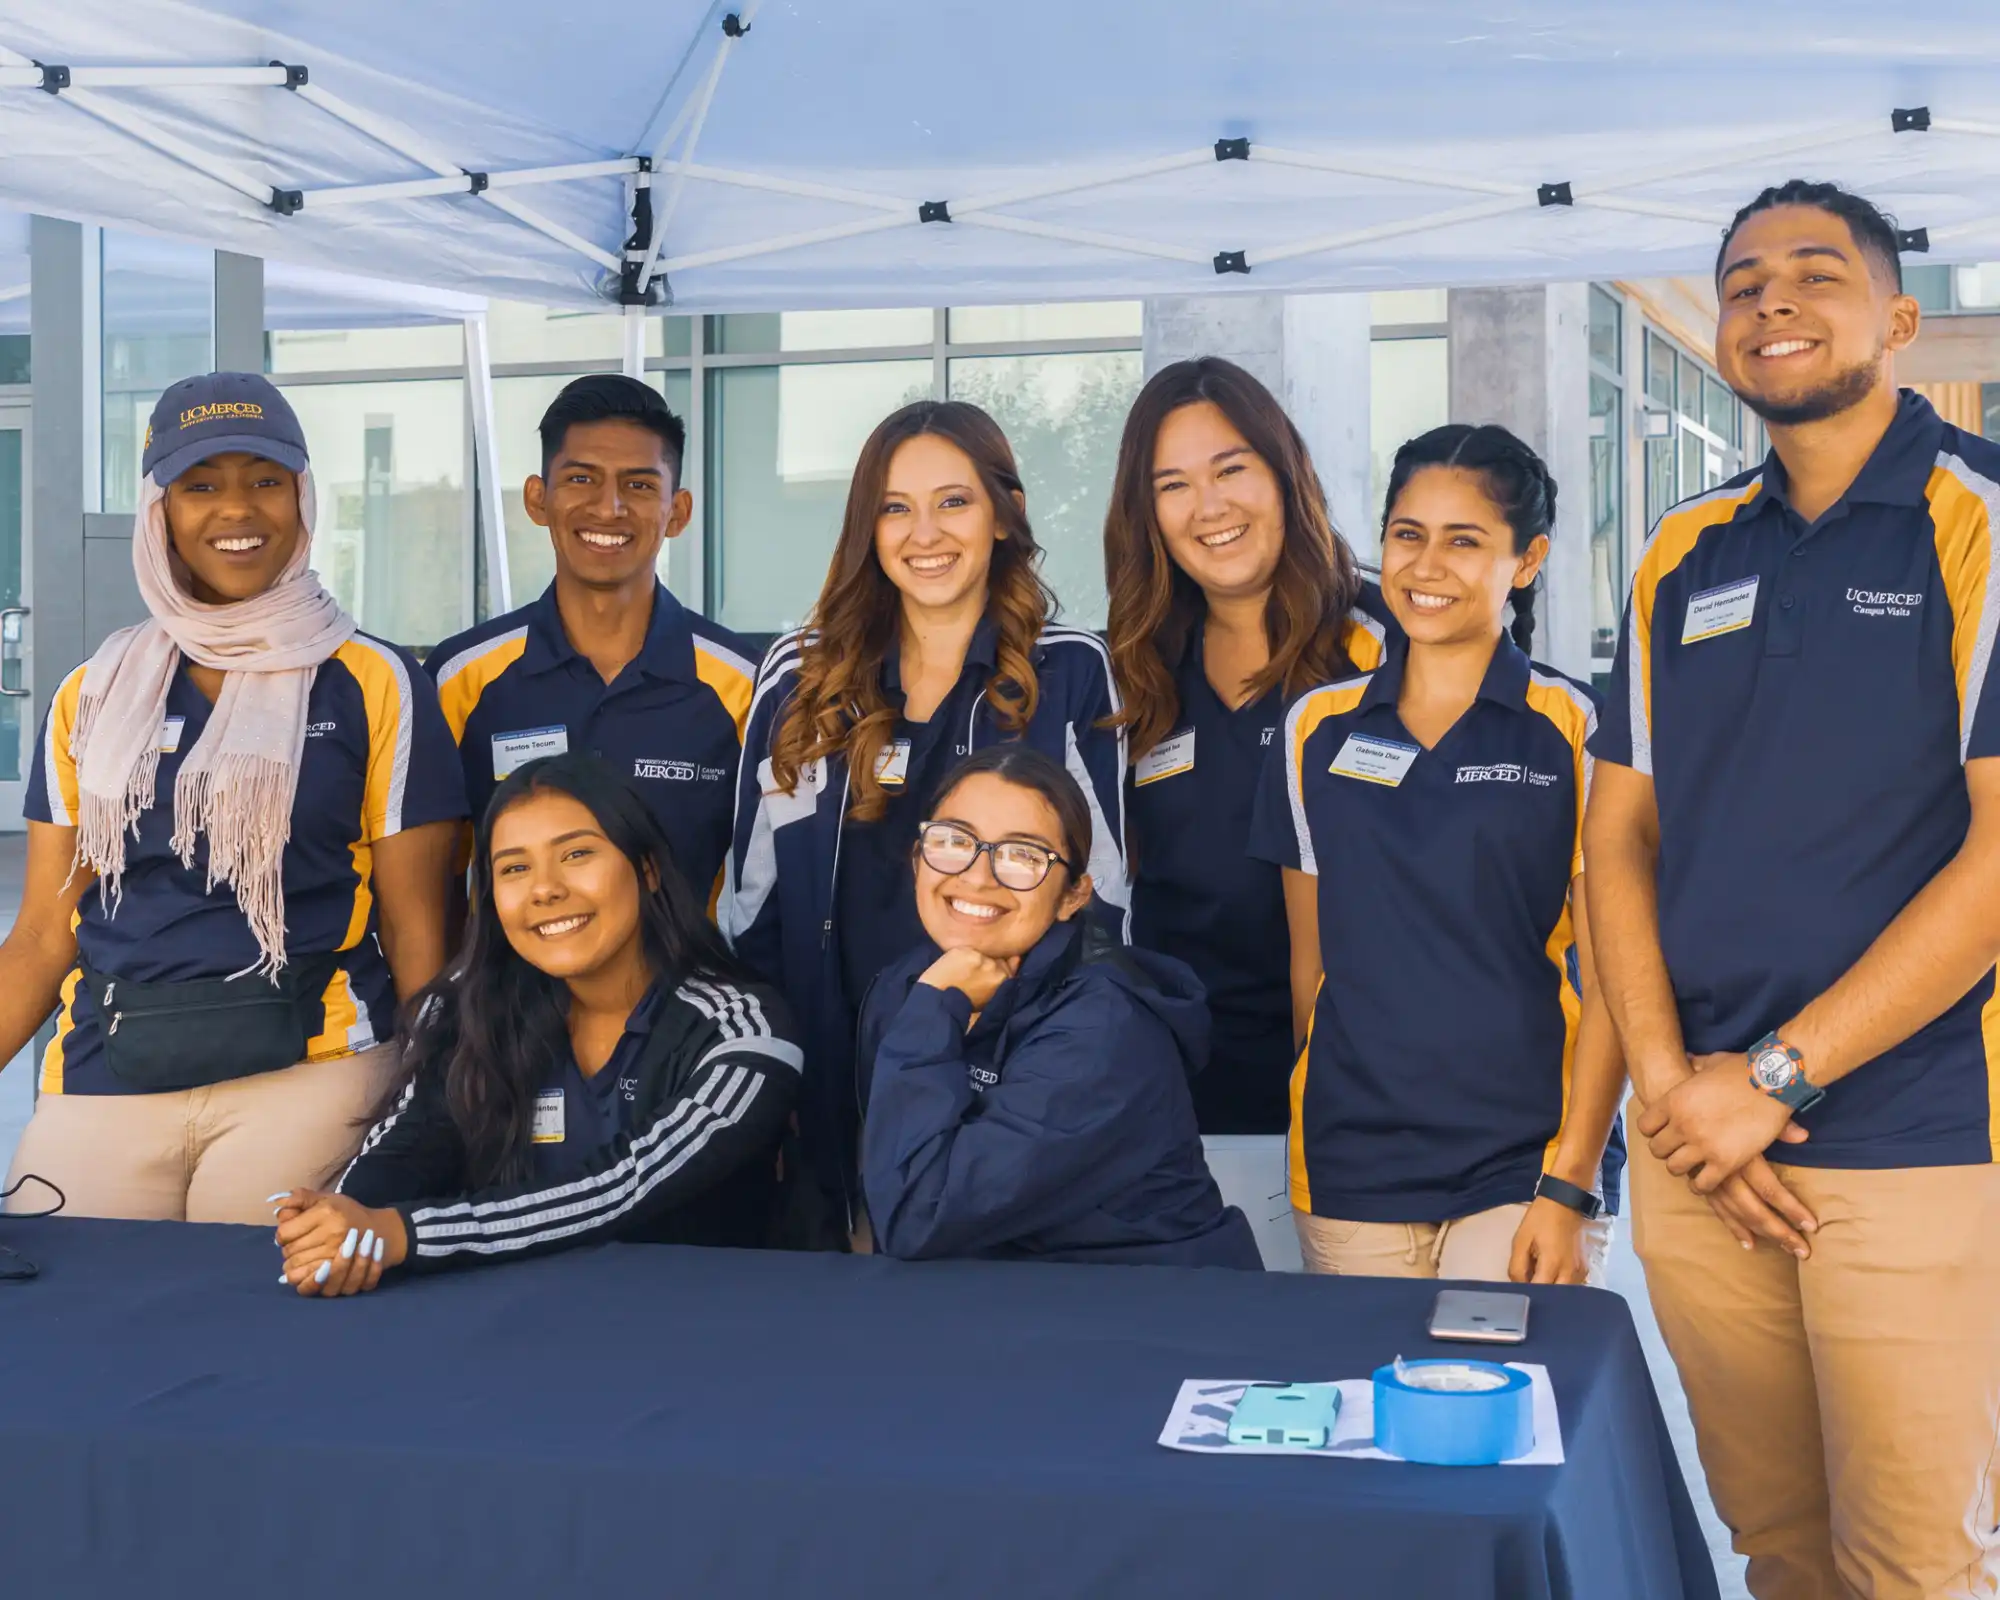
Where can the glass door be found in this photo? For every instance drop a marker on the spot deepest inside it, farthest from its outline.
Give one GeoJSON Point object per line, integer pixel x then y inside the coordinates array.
{"type": "Point", "coordinates": [17, 718]}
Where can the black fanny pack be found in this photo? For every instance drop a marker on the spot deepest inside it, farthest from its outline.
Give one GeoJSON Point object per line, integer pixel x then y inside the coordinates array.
{"type": "Point", "coordinates": [159, 1037]}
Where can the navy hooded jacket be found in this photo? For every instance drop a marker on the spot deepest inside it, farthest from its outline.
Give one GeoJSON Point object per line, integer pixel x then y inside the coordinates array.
{"type": "Point", "coordinates": [1060, 1128]}
{"type": "Point", "coordinates": [779, 899]}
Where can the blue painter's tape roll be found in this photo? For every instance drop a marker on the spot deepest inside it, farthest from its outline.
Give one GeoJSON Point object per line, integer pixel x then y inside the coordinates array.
{"type": "Point", "coordinates": [1454, 1413]}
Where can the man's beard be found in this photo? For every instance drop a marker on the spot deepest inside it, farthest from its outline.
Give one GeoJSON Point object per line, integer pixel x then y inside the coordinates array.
{"type": "Point", "coordinates": [1842, 392]}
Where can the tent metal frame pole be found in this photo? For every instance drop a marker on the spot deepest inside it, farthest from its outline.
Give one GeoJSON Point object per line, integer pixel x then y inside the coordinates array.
{"type": "Point", "coordinates": [411, 148]}
{"type": "Point", "coordinates": [1989, 130]}
{"type": "Point", "coordinates": [632, 343]}
{"type": "Point", "coordinates": [486, 463]}
{"type": "Point", "coordinates": [1652, 208]}
{"type": "Point", "coordinates": [791, 186]}
{"type": "Point", "coordinates": [663, 214]}
{"type": "Point", "coordinates": [1103, 241]}
{"type": "Point", "coordinates": [1087, 180]}
{"type": "Point", "coordinates": [792, 241]}
{"type": "Point", "coordinates": [31, 77]}
{"type": "Point", "coordinates": [134, 126]}
{"type": "Point", "coordinates": [1378, 169]}
{"type": "Point", "coordinates": [420, 188]}
{"type": "Point", "coordinates": [1390, 230]}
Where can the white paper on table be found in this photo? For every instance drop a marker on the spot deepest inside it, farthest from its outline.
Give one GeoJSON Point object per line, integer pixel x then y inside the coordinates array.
{"type": "Point", "coordinates": [1199, 1421]}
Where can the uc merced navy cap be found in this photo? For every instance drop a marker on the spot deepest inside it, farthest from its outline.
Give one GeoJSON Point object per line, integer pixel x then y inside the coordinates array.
{"type": "Point", "coordinates": [216, 413]}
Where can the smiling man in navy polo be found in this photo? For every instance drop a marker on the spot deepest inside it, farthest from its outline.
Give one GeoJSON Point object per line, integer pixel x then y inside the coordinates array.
{"type": "Point", "coordinates": [607, 661]}
{"type": "Point", "coordinates": [1794, 846]}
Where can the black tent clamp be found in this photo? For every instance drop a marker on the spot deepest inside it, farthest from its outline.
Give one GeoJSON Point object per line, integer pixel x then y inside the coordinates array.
{"type": "Point", "coordinates": [1555, 194]}
{"type": "Point", "coordinates": [54, 79]}
{"type": "Point", "coordinates": [1232, 149]}
{"type": "Point", "coordinates": [933, 211]}
{"type": "Point", "coordinates": [640, 242]}
{"type": "Point", "coordinates": [1913, 119]}
{"type": "Point", "coordinates": [1231, 261]}
{"type": "Point", "coordinates": [734, 26]}
{"type": "Point", "coordinates": [1913, 241]}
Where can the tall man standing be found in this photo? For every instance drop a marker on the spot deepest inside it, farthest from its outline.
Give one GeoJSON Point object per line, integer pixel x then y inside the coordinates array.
{"type": "Point", "coordinates": [1794, 847]}
{"type": "Point", "coordinates": [607, 660]}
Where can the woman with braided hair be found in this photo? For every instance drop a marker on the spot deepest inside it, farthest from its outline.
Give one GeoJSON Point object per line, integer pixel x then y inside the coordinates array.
{"type": "Point", "coordinates": [1458, 1076]}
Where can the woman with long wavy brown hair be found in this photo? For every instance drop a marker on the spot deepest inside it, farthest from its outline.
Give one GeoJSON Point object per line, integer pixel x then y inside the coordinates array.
{"type": "Point", "coordinates": [930, 639]}
{"type": "Point", "coordinates": [1230, 592]}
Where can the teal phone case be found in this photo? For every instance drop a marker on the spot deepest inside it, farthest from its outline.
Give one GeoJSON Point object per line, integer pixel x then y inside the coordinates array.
{"type": "Point", "coordinates": [1296, 1414]}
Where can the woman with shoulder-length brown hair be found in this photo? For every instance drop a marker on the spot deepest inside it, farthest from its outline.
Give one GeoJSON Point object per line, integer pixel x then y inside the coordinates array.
{"type": "Point", "coordinates": [930, 639]}
{"type": "Point", "coordinates": [1231, 592]}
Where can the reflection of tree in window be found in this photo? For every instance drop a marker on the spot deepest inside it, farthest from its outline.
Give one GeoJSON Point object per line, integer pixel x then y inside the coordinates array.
{"type": "Point", "coordinates": [1063, 415]}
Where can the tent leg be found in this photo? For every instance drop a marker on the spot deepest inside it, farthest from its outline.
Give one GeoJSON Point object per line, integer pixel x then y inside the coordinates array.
{"type": "Point", "coordinates": [492, 519]}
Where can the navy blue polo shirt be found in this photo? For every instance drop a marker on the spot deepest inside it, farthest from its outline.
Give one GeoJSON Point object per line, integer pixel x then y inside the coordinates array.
{"type": "Point", "coordinates": [1804, 697]}
{"type": "Point", "coordinates": [515, 688]}
{"type": "Point", "coordinates": [876, 889]}
{"type": "Point", "coordinates": [1436, 1072]}
{"type": "Point", "coordinates": [578, 1116]}
{"type": "Point", "coordinates": [377, 759]}
{"type": "Point", "coordinates": [1198, 898]}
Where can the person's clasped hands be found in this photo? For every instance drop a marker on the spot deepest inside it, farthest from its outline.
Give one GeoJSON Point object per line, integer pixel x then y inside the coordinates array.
{"type": "Point", "coordinates": [333, 1245]}
{"type": "Point", "coordinates": [1712, 1128]}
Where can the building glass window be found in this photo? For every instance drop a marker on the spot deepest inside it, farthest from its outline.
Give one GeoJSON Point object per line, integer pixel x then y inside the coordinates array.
{"type": "Point", "coordinates": [1409, 392]}
{"type": "Point", "coordinates": [1084, 319]}
{"type": "Point", "coordinates": [1989, 403]}
{"type": "Point", "coordinates": [766, 333]}
{"type": "Point", "coordinates": [1399, 308]}
{"type": "Point", "coordinates": [389, 462]}
{"type": "Point", "coordinates": [291, 351]}
{"type": "Point", "coordinates": [782, 441]}
{"type": "Point", "coordinates": [159, 327]}
{"type": "Point", "coordinates": [1694, 427]}
{"type": "Point", "coordinates": [518, 404]}
{"type": "Point", "coordinates": [1607, 472]}
{"type": "Point", "coordinates": [1063, 415]}
{"type": "Point", "coordinates": [14, 366]}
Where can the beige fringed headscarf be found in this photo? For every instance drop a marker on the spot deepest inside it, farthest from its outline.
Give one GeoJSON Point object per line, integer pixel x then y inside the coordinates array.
{"type": "Point", "coordinates": [236, 785]}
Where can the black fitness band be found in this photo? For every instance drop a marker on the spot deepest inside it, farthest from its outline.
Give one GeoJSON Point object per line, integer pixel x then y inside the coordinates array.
{"type": "Point", "coordinates": [1581, 1201]}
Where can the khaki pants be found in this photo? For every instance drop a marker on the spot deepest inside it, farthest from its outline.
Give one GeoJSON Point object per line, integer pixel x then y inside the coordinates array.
{"type": "Point", "coordinates": [1476, 1247]}
{"type": "Point", "coordinates": [202, 1155]}
{"type": "Point", "coordinates": [1847, 1408]}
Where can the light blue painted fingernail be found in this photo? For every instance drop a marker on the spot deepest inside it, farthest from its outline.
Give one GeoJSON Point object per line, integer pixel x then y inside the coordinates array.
{"type": "Point", "coordinates": [325, 1272]}
{"type": "Point", "coordinates": [368, 1241]}
{"type": "Point", "coordinates": [378, 1250]}
{"type": "Point", "coordinates": [287, 1282]}
{"type": "Point", "coordinates": [282, 1194]}
{"type": "Point", "coordinates": [347, 1244]}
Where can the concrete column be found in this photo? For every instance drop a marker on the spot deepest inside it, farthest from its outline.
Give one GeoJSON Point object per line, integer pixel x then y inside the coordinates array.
{"type": "Point", "coordinates": [239, 312]}
{"type": "Point", "coordinates": [66, 433]}
{"type": "Point", "coordinates": [1312, 352]}
{"type": "Point", "coordinates": [1521, 357]}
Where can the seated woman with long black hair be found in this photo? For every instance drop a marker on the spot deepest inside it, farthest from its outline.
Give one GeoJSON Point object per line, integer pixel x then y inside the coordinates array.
{"type": "Point", "coordinates": [593, 1066]}
{"type": "Point", "coordinates": [1025, 1076]}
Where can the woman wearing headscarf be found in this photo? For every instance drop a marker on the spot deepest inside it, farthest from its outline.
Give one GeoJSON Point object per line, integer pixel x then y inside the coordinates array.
{"type": "Point", "coordinates": [240, 821]}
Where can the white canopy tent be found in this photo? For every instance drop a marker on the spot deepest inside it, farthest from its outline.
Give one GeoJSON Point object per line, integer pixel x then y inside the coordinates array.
{"type": "Point", "coordinates": [743, 155]}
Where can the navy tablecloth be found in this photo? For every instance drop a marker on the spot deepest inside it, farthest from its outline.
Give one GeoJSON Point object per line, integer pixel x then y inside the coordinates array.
{"type": "Point", "coordinates": [657, 1421]}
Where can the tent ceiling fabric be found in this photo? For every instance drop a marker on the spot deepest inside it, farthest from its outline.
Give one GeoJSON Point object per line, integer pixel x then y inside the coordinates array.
{"type": "Point", "coordinates": [1074, 146]}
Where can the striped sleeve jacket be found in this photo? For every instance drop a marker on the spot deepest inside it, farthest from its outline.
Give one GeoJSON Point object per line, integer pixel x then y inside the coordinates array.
{"type": "Point", "coordinates": [715, 1083]}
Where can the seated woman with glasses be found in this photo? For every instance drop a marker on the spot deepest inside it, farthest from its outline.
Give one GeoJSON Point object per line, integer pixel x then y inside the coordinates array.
{"type": "Point", "coordinates": [1025, 1079]}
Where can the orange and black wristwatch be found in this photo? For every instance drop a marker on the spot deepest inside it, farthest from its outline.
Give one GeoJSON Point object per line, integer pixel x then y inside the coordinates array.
{"type": "Point", "coordinates": [1776, 1069]}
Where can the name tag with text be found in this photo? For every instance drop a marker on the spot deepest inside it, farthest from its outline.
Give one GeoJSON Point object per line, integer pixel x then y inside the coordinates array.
{"type": "Point", "coordinates": [1717, 611]}
{"type": "Point", "coordinates": [512, 750]}
{"type": "Point", "coordinates": [548, 1128]}
{"type": "Point", "coordinates": [170, 735]}
{"type": "Point", "coordinates": [892, 764]}
{"type": "Point", "coordinates": [1372, 760]}
{"type": "Point", "coordinates": [1168, 759]}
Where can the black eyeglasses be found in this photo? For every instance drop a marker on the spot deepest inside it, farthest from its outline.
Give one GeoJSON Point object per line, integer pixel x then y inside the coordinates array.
{"type": "Point", "coordinates": [949, 848]}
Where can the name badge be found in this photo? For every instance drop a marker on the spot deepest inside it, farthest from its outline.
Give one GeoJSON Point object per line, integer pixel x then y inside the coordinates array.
{"type": "Point", "coordinates": [1168, 759]}
{"type": "Point", "coordinates": [511, 750]}
{"type": "Point", "coordinates": [170, 735]}
{"type": "Point", "coordinates": [1384, 761]}
{"type": "Point", "coordinates": [548, 1127]}
{"type": "Point", "coordinates": [892, 763]}
{"type": "Point", "coordinates": [1719, 611]}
